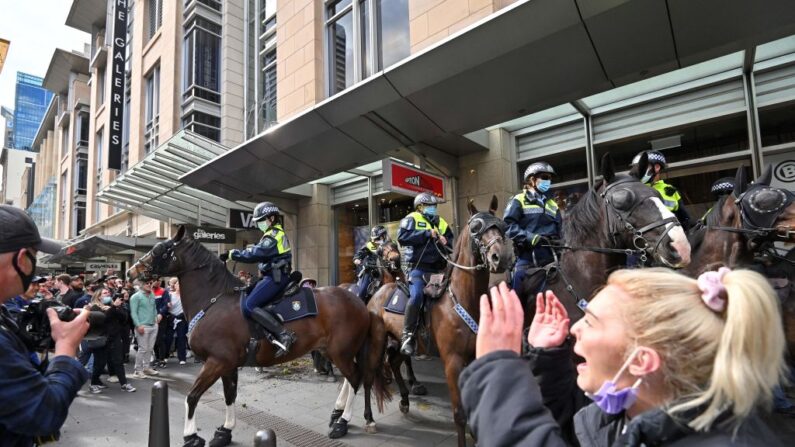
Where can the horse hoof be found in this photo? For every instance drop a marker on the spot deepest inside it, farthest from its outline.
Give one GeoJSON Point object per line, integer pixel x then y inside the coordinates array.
{"type": "Point", "coordinates": [222, 438]}
{"type": "Point", "coordinates": [334, 416]}
{"type": "Point", "coordinates": [338, 429]}
{"type": "Point", "coordinates": [370, 428]}
{"type": "Point", "coordinates": [404, 406]}
{"type": "Point", "coordinates": [193, 440]}
{"type": "Point", "coordinates": [418, 389]}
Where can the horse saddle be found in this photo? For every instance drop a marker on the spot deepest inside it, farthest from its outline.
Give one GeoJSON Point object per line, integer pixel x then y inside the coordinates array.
{"type": "Point", "coordinates": [295, 302]}
{"type": "Point", "coordinates": [399, 299]}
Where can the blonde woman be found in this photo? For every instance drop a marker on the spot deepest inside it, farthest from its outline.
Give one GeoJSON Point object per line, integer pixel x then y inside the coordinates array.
{"type": "Point", "coordinates": [668, 360]}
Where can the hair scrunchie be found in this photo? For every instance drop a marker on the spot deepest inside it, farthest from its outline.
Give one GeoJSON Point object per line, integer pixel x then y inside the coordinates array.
{"type": "Point", "coordinates": [713, 292]}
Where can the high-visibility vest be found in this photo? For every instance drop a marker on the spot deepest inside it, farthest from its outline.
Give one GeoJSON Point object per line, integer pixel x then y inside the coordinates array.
{"type": "Point", "coordinates": [420, 222]}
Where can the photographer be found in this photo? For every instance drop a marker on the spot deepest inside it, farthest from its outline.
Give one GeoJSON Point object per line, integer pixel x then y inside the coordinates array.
{"type": "Point", "coordinates": [33, 404]}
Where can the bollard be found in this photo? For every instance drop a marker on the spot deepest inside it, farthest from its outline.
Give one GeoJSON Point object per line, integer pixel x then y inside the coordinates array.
{"type": "Point", "coordinates": [265, 438]}
{"type": "Point", "coordinates": [158, 416]}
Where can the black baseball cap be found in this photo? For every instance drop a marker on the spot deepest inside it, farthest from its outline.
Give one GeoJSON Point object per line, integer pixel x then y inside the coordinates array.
{"type": "Point", "coordinates": [18, 231]}
{"type": "Point", "coordinates": [38, 279]}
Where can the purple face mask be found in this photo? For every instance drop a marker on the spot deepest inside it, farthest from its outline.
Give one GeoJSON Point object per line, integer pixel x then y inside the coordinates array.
{"type": "Point", "coordinates": [613, 401]}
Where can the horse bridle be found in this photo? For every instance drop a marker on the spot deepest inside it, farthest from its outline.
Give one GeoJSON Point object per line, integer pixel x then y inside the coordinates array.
{"type": "Point", "coordinates": [169, 253]}
{"type": "Point", "coordinates": [478, 224]}
{"type": "Point", "coordinates": [639, 240]}
{"type": "Point", "coordinates": [388, 265]}
{"type": "Point", "coordinates": [750, 214]}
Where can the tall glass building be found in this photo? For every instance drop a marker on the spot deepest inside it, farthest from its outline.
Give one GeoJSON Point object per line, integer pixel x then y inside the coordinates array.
{"type": "Point", "coordinates": [30, 104]}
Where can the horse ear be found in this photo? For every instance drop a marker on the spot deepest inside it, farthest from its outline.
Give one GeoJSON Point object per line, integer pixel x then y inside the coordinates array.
{"type": "Point", "coordinates": [471, 207]}
{"type": "Point", "coordinates": [493, 205]}
{"type": "Point", "coordinates": [766, 176]}
{"type": "Point", "coordinates": [608, 169]}
{"type": "Point", "coordinates": [180, 233]}
{"type": "Point", "coordinates": [739, 182]}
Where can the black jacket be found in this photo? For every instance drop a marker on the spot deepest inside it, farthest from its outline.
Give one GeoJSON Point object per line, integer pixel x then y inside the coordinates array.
{"type": "Point", "coordinates": [506, 407]}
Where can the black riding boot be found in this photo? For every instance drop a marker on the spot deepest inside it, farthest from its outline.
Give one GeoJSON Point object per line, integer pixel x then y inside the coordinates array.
{"type": "Point", "coordinates": [407, 343]}
{"type": "Point", "coordinates": [284, 337]}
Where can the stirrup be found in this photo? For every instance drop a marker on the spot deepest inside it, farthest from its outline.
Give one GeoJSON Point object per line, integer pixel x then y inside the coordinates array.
{"type": "Point", "coordinates": [407, 345]}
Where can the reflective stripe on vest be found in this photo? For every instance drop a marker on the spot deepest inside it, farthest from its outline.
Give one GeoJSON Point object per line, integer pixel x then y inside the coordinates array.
{"type": "Point", "coordinates": [670, 201]}
{"type": "Point", "coordinates": [282, 243]}
{"type": "Point", "coordinates": [420, 218]}
{"type": "Point", "coordinates": [550, 206]}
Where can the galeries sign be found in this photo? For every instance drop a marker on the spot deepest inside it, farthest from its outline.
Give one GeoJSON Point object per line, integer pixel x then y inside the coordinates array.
{"type": "Point", "coordinates": [117, 83]}
{"type": "Point", "coordinates": [212, 234]}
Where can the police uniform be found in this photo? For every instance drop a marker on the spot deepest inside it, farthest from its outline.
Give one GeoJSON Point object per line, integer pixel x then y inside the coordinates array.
{"type": "Point", "coordinates": [368, 254]}
{"type": "Point", "coordinates": [422, 257]}
{"type": "Point", "coordinates": [529, 216]}
{"type": "Point", "coordinates": [721, 187]}
{"type": "Point", "coordinates": [274, 256]}
{"type": "Point", "coordinates": [673, 201]}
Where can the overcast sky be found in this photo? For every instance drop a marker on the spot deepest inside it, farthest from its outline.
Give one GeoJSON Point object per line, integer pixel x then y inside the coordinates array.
{"type": "Point", "coordinates": [35, 28]}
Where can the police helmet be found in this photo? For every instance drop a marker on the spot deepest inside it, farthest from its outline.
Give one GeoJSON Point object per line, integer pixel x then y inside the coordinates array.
{"type": "Point", "coordinates": [265, 210]}
{"type": "Point", "coordinates": [655, 157]}
{"type": "Point", "coordinates": [539, 167]}
{"type": "Point", "coordinates": [425, 198]}
{"type": "Point", "coordinates": [722, 187]}
{"type": "Point", "coordinates": [378, 232]}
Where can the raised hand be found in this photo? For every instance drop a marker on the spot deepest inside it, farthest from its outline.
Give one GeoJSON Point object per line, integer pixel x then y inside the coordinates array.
{"type": "Point", "coordinates": [501, 323]}
{"type": "Point", "coordinates": [550, 324]}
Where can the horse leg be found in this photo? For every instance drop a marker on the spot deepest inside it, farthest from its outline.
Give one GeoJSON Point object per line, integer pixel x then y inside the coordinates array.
{"type": "Point", "coordinates": [417, 388]}
{"type": "Point", "coordinates": [453, 365]}
{"type": "Point", "coordinates": [340, 426]}
{"type": "Point", "coordinates": [395, 358]}
{"type": "Point", "coordinates": [208, 375]}
{"type": "Point", "coordinates": [223, 434]}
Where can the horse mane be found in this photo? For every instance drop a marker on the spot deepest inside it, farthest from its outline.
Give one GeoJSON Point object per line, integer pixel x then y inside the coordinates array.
{"type": "Point", "coordinates": [461, 246]}
{"type": "Point", "coordinates": [582, 218]}
{"type": "Point", "coordinates": [697, 234]}
{"type": "Point", "coordinates": [199, 254]}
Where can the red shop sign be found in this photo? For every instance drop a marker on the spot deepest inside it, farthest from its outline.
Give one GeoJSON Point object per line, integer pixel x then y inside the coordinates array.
{"type": "Point", "coordinates": [405, 179]}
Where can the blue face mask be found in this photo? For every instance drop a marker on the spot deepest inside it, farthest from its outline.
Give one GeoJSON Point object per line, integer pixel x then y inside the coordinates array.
{"type": "Point", "coordinates": [107, 300]}
{"type": "Point", "coordinates": [430, 210]}
{"type": "Point", "coordinates": [646, 177]}
{"type": "Point", "coordinates": [544, 185]}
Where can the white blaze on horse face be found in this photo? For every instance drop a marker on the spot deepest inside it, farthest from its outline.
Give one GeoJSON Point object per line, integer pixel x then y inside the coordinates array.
{"type": "Point", "coordinates": [677, 234]}
{"type": "Point", "coordinates": [190, 423]}
{"type": "Point", "coordinates": [229, 423]}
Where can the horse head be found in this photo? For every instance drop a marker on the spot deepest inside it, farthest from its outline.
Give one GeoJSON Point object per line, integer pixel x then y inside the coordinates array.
{"type": "Point", "coordinates": [487, 236]}
{"type": "Point", "coordinates": [389, 254]}
{"type": "Point", "coordinates": [162, 260]}
{"type": "Point", "coordinates": [637, 218]}
{"type": "Point", "coordinates": [766, 209]}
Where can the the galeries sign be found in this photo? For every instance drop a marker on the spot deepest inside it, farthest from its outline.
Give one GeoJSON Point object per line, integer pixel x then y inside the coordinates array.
{"type": "Point", "coordinates": [117, 83]}
{"type": "Point", "coordinates": [212, 234]}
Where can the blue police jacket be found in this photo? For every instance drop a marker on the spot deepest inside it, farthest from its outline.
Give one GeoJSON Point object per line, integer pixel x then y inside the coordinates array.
{"type": "Point", "coordinates": [415, 235]}
{"type": "Point", "coordinates": [529, 216]}
{"type": "Point", "coordinates": [273, 248]}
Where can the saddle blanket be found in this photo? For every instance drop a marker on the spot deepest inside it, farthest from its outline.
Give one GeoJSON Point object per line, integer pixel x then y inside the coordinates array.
{"type": "Point", "coordinates": [297, 306]}
{"type": "Point", "coordinates": [398, 301]}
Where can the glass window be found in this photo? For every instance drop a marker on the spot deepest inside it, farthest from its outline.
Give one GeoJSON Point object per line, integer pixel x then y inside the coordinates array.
{"type": "Point", "coordinates": [269, 87]}
{"type": "Point", "coordinates": [340, 39]}
{"type": "Point", "coordinates": [154, 16]}
{"type": "Point", "coordinates": [152, 93]}
{"type": "Point", "coordinates": [201, 60]}
{"type": "Point", "coordinates": [100, 150]}
{"type": "Point", "coordinates": [101, 86]}
{"type": "Point", "coordinates": [203, 124]}
{"type": "Point", "coordinates": [82, 129]}
{"type": "Point", "coordinates": [352, 230]}
{"type": "Point", "coordinates": [777, 124]}
{"type": "Point", "coordinates": [337, 6]}
{"type": "Point", "coordinates": [81, 167]}
{"type": "Point", "coordinates": [393, 31]}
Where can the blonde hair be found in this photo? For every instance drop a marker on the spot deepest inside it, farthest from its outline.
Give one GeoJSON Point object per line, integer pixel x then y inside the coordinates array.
{"type": "Point", "coordinates": [711, 362]}
{"type": "Point", "coordinates": [96, 297]}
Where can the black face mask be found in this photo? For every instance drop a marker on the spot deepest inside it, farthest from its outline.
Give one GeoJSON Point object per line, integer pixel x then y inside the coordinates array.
{"type": "Point", "coordinates": [26, 278]}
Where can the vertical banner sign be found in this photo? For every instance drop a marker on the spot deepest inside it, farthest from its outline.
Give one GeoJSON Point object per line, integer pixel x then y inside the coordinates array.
{"type": "Point", "coordinates": [117, 83]}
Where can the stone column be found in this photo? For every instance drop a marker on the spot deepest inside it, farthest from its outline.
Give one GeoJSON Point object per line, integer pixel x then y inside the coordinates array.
{"type": "Point", "coordinates": [488, 173]}
{"type": "Point", "coordinates": [314, 230]}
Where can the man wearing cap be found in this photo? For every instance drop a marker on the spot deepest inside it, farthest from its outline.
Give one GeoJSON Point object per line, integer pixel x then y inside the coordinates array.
{"type": "Point", "coordinates": [33, 403]}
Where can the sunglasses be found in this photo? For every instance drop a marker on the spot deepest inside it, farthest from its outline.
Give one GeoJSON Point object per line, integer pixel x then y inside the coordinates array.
{"type": "Point", "coordinates": [545, 177]}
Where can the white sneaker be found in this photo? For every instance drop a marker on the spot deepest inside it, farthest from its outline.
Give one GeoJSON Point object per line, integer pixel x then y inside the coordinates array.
{"type": "Point", "coordinates": [151, 372]}
{"type": "Point", "coordinates": [127, 388]}
{"type": "Point", "coordinates": [182, 362]}
{"type": "Point", "coordinates": [113, 379]}
{"type": "Point", "coordinates": [95, 389]}
{"type": "Point", "coordinates": [139, 375]}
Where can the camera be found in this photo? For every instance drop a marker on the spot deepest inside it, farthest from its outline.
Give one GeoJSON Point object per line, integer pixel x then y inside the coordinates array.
{"type": "Point", "coordinates": [35, 323]}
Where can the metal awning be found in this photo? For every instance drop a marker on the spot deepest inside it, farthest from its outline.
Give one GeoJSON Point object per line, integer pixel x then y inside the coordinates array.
{"type": "Point", "coordinates": [152, 186]}
{"type": "Point", "coordinates": [99, 245]}
{"type": "Point", "coordinates": [527, 57]}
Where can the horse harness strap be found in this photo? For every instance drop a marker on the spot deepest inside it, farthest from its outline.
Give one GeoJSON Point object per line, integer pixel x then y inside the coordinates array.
{"type": "Point", "coordinates": [203, 312]}
{"type": "Point", "coordinates": [462, 312]}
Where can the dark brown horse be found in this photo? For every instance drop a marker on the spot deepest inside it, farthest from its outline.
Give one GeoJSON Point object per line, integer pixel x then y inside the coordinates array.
{"type": "Point", "coordinates": [479, 249]}
{"type": "Point", "coordinates": [620, 216]}
{"type": "Point", "coordinates": [391, 276]}
{"type": "Point", "coordinates": [352, 337]}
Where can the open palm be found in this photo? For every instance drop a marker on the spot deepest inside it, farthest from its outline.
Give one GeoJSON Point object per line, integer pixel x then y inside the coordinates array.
{"type": "Point", "coordinates": [550, 324]}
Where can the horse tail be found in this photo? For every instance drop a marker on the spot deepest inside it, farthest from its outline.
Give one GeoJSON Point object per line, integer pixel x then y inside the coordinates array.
{"type": "Point", "coordinates": [370, 360]}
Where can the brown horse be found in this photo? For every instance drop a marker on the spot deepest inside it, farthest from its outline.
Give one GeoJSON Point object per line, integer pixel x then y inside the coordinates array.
{"type": "Point", "coordinates": [391, 276]}
{"type": "Point", "coordinates": [351, 336]}
{"type": "Point", "coordinates": [620, 216]}
{"type": "Point", "coordinates": [480, 249]}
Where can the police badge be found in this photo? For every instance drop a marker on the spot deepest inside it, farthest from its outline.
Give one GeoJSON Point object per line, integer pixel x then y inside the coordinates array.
{"type": "Point", "coordinates": [296, 306]}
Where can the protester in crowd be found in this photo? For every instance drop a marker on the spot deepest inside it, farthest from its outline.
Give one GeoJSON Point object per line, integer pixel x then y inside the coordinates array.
{"type": "Point", "coordinates": [126, 335]}
{"type": "Point", "coordinates": [84, 297]}
{"type": "Point", "coordinates": [145, 318]}
{"type": "Point", "coordinates": [667, 359]}
{"type": "Point", "coordinates": [162, 351]}
{"type": "Point", "coordinates": [177, 330]}
{"type": "Point", "coordinates": [44, 291]}
{"type": "Point", "coordinates": [107, 349]}
{"type": "Point", "coordinates": [64, 294]}
{"type": "Point", "coordinates": [33, 403]}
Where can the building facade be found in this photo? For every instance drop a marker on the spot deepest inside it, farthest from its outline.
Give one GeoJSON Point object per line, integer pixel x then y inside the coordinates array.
{"type": "Point", "coordinates": [30, 103]}
{"type": "Point", "coordinates": [306, 103]}
{"type": "Point", "coordinates": [8, 132]}
{"type": "Point", "coordinates": [16, 177]}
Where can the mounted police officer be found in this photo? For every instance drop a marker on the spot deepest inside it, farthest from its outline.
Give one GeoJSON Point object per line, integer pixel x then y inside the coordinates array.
{"type": "Point", "coordinates": [670, 196]}
{"type": "Point", "coordinates": [274, 257]}
{"type": "Point", "coordinates": [419, 232]}
{"type": "Point", "coordinates": [721, 187]}
{"type": "Point", "coordinates": [367, 257]}
{"type": "Point", "coordinates": [530, 216]}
